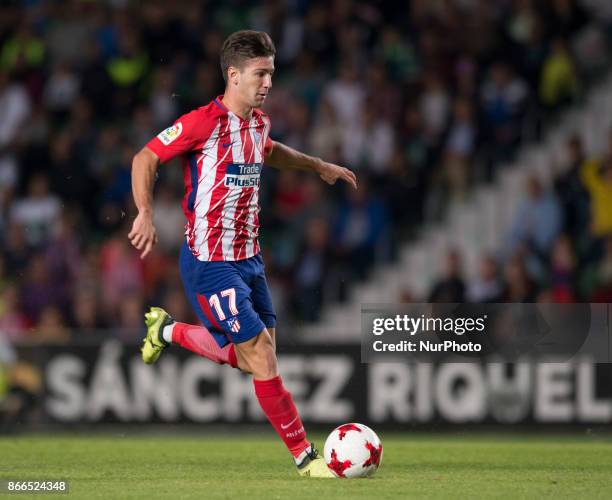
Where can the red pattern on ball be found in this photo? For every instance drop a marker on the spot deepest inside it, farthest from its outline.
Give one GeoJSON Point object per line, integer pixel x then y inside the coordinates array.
{"type": "Point", "coordinates": [374, 454]}
{"type": "Point", "coordinates": [343, 429]}
{"type": "Point", "coordinates": [337, 466]}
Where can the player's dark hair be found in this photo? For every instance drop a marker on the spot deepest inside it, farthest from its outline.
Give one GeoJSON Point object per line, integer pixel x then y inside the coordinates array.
{"type": "Point", "coordinates": [243, 45]}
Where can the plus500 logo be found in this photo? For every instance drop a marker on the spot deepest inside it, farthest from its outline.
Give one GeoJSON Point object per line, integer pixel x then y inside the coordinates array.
{"type": "Point", "coordinates": [242, 175]}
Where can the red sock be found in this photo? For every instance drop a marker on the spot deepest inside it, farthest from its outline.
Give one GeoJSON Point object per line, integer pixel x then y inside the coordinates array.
{"type": "Point", "coordinates": [199, 340]}
{"type": "Point", "coordinates": [277, 404]}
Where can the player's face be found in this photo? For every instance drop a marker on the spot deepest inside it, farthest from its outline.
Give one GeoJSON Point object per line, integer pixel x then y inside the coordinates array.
{"type": "Point", "coordinates": [255, 80]}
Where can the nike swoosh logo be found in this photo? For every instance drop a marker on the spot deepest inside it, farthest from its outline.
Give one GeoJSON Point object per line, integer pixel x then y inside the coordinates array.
{"type": "Point", "coordinates": [226, 145]}
{"type": "Point", "coordinates": [289, 424]}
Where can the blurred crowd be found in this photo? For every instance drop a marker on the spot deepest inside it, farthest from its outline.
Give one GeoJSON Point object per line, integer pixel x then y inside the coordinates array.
{"type": "Point", "coordinates": [421, 102]}
{"type": "Point", "coordinates": [558, 248]}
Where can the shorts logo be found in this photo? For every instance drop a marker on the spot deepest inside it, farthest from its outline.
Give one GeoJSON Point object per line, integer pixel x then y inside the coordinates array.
{"type": "Point", "coordinates": [234, 324]}
{"type": "Point", "coordinates": [170, 134]}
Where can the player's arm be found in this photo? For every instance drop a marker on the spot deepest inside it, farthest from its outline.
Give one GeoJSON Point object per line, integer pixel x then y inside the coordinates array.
{"type": "Point", "coordinates": [178, 139]}
{"type": "Point", "coordinates": [282, 156]}
{"type": "Point", "coordinates": [144, 168]}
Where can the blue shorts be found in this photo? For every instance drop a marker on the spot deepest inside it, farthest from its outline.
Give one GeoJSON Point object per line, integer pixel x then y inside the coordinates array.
{"type": "Point", "coordinates": [231, 299]}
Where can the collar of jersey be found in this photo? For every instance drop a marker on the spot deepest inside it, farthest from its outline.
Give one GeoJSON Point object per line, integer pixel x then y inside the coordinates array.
{"type": "Point", "coordinates": [218, 102]}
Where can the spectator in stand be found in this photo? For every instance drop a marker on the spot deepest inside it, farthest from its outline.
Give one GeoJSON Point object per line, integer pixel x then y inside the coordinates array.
{"type": "Point", "coordinates": [85, 313]}
{"type": "Point", "coordinates": [127, 70]}
{"type": "Point", "coordinates": [61, 90]}
{"type": "Point", "coordinates": [327, 133]}
{"type": "Point", "coordinates": [597, 178]}
{"type": "Point", "coordinates": [346, 94]}
{"type": "Point", "coordinates": [168, 218]}
{"type": "Point", "coordinates": [461, 137]}
{"type": "Point", "coordinates": [13, 323]}
{"type": "Point", "coordinates": [142, 126]}
{"type": "Point", "coordinates": [16, 252]}
{"type": "Point", "coordinates": [130, 326]}
{"type": "Point", "coordinates": [37, 291]}
{"type": "Point", "coordinates": [451, 286]}
{"type": "Point", "coordinates": [290, 195]}
{"type": "Point", "coordinates": [316, 206]}
{"type": "Point", "coordinates": [572, 193]}
{"type": "Point", "coordinates": [360, 230]}
{"type": "Point", "coordinates": [383, 94]}
{"type": "Point", "coordinates": [121, 272]}
{"type": "Point", "coordinates": [51, 327]}
{"type": "Point", "coordinates": [23, 50]}
{"type": "Point", "coordinates": [504, 99]}
{"type": "Point", "coordinates": [70, 181]}
{"type": "Point", "coordinates": [369, 142]}
{"type": "Point", "coordinates": [559, 82]}
{"type": "Point", "coordinates": [298, 126]}
{"type": "Point", "coordinates": [62, 256]}
{"type": "Point", "coordinates": [486, 287]}
{"type": "Point", "coordinates": [15, 109]}
{"type": "Point", "coordinates": [518, 285]}
{"type": "Point", "coordinates": [38, 211]}
{"type": "Point", "coordinates": [163, 103]}
{"type": "Point", "coordinates": [417, 153]}
{"type": "Point", "coordinates": [538, 220]}
{"type": "Point", "coordinates": [563, 278]}
{"type": "Point", "coordinates": [311, 270]}
{"type": "Point", "coordinates": [108, 154]}
{"type": "Point", "coordinates": [434, 105]}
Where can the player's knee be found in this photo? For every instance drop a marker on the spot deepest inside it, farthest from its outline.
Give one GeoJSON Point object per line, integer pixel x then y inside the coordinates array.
{"type": "Point", "coordinates": [261, 357]}
{"type": "Point", "coordinates": [264, 364]}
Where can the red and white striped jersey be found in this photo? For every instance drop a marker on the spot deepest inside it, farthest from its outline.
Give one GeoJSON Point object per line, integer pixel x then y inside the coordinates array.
{"type": "Point", "coordinates": [222, 157]}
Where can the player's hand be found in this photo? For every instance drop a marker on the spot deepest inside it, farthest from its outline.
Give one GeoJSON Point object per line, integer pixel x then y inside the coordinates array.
{"type": "Point", "coordinates": [143, 235]}
{"type": "Point", "coordinates": [330, 173]}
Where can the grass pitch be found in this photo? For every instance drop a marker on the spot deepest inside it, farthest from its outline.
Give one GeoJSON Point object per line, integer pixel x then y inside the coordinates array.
{"type": "Point", "coordinates": [252, 468]}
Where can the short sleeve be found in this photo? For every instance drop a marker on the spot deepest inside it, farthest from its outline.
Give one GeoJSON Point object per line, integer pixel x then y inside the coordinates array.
{"type": "Point", "coordinates": [268, 146]}
{"type": "Point", "coordinates": [183, 136]}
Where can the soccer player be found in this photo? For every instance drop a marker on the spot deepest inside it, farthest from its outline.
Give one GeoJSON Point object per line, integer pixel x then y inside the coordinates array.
{"type": "Point", "coordinates": [223, 146]}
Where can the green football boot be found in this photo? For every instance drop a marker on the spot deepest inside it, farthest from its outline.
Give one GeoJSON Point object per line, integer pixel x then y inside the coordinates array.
{"type": "Point", "coordinates": [313, 465]}
{"type": "Point", "coordinates": [153, 344]}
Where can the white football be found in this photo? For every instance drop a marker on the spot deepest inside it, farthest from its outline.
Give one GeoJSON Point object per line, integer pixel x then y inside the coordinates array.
{"type": "Point", "coordinates": [353, 450]}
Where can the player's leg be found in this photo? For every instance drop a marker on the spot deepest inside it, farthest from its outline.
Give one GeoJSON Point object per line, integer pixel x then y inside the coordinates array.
{"type": "Point", "coordinates": [163, 331]}
{"type": "Point", "coordinates": [259, 355]}
{"type": "Point", "coordinates": [202, 342]}
{"type": "Point", "coordinates": [226, 306]}
{"type": "Point", "coordinates": [270, 391]}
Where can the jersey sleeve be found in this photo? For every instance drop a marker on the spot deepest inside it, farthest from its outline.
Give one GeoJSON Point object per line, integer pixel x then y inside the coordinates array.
{"type": "Point", "coordinates": [183, 136]}
{"type": "Point", "coordinates": [268, 143]}
{"type": "Point", "coordinates": [268, 146]}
